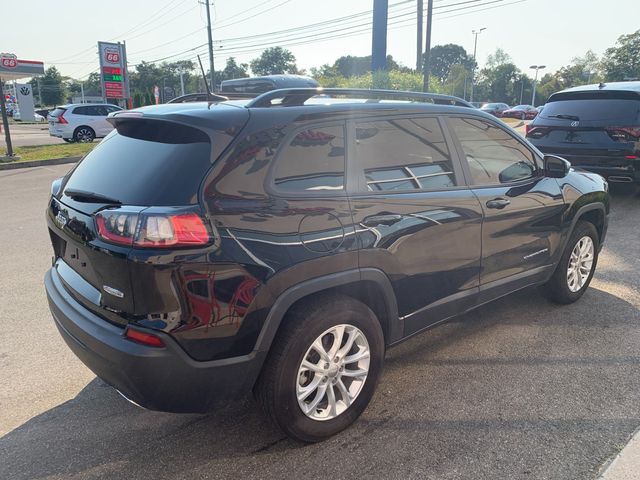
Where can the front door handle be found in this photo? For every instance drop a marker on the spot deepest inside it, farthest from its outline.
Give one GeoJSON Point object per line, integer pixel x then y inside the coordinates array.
{"type": "Point", "coordinates": [498, 203]}
{"type": "Point", "coordinates": [376, 220]}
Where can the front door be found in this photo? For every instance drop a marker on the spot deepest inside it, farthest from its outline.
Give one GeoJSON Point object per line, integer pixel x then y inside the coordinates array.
{"type": "Point", "coordinates": [415, 218]}
{"type": "Point", "coordinates": [522, 208]}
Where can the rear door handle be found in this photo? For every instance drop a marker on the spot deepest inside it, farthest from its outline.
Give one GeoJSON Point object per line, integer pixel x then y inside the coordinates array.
{"type": "Point", "coordinates": [376, 220]}
{"type": "Point", "coordinates": [498, 203]}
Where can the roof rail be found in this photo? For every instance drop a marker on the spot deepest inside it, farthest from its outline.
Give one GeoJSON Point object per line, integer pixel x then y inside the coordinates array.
{"type": "Point", "coordinates": [297, 96]}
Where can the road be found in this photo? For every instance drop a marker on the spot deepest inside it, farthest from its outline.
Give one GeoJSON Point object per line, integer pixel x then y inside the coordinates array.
{"type": "Point", "coordinates": [519, 389]}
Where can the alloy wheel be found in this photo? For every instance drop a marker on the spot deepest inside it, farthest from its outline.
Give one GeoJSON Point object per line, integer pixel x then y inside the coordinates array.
{"type": "Point", "coordinates": [84, 135]}
{"type": "Point", "coordinates": [333, 372]}
{"type": "Point", "coordinates": [580, 263]}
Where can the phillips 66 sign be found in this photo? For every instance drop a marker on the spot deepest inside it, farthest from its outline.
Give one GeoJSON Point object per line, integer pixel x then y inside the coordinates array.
{"type": "Point", "coordinates": [113, 70]}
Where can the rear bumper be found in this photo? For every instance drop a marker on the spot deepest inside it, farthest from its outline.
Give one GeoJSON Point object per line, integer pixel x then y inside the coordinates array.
{"type": "Point", "coordinates": [613, 168]}
{"type": "Point", "coordinates": [165, 379]}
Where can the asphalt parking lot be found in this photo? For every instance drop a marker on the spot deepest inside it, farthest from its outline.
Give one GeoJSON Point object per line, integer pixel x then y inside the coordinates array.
{"type": "Point", "coordinates": [519, 389]}
{"type": "Point", "coordinates": [29, 135]}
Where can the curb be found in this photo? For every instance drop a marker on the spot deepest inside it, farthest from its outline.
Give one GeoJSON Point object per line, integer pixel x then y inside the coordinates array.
{"type": "Point", "coordinates": [38, 163]}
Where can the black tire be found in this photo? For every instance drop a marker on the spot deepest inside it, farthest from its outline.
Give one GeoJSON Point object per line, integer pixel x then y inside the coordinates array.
{"type": "Point", "coordinates": [557, 288]}
{"type": "Point", "coordinates": [84, 134]}
{"type": "Point", "coordinates": [276, 387]}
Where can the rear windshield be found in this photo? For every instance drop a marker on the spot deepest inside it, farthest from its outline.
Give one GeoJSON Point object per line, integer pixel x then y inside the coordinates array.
{"type": "Point", "coordinates": [58, 111]}
{"type": "Point", "coordinates": [145, 163]}
{"type": "Point", "coordinates": [594, 108]}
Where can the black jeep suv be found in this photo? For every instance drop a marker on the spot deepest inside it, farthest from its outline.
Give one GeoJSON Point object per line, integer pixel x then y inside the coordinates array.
{"type": "Point", "coordinates": [206, 250]}
{"type": "Point", "coordinates": [595, 127]}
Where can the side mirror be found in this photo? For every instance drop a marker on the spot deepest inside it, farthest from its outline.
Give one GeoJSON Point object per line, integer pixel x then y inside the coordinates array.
{"type": "Point", "coordinates": [556, 167]}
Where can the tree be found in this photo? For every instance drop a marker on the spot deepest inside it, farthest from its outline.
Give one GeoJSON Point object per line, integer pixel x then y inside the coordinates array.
{"type": "Point", "coordinates": [273, 61]}
{"type": "Point", "coordinates": [233, 70]}
{"type": "Point", "coordinates": [349, 66]}
{"type": "Point", "coordinates": [499, 57]}
{"type": "Point", "coordinates": [444, 57]}
{"type": "Point", "coordinates": [622, 62]}
{"type": "Point", "coordinates": [52, 87]}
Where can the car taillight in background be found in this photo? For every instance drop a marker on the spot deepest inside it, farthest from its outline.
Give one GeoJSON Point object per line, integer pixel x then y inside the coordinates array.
{"type": "Point", "coordinates": [60, 119]}
{"type": "Point", "coordinates": [536, 132]}
{"type": "Point", "coordinates": [624, 134]}
{"type": "Point", "coordinates": [151, 230]}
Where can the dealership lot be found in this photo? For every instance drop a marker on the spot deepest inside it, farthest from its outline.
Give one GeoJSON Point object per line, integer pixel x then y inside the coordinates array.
{"type": "Point", "coordinates": [520, 388]}
{"type": "Point", "coordinates": [30, 134]}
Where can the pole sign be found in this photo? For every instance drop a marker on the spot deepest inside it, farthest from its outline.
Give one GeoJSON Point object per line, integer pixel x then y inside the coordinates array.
{"type": "Point", "coordinates": [112, 69]}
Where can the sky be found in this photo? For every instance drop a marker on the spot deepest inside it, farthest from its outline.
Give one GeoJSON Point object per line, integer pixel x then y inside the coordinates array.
{"type": "Point", "coordinates": [550, 32]}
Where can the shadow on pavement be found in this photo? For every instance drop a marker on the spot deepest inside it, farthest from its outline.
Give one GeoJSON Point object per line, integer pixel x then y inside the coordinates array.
{"type": "Point", "coordinates": [462, 391]}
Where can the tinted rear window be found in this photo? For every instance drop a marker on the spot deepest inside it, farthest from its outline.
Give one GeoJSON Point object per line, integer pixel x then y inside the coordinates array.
{"type": "Point", "coordinates": [592, 107]}
{"type": "Point", "coordinates": [58, 111]}
{"type": "Point", "coordinates": [146, 163]}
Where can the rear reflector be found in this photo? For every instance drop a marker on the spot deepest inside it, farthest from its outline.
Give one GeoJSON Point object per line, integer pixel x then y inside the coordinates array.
{"type": "Point", "coordinates": [144, 338]}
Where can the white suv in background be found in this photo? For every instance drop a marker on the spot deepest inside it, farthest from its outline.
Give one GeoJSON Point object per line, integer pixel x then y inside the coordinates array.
{"type": "Point", "coordinates": [81, 122]}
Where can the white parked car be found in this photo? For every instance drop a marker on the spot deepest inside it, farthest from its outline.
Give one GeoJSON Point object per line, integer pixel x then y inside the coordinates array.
{"type": "Point", "coordinates": [81, 122]}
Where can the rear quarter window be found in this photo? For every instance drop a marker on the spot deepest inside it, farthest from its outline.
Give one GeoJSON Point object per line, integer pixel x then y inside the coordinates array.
{"type": "Point", "coordinates": [314, 160]}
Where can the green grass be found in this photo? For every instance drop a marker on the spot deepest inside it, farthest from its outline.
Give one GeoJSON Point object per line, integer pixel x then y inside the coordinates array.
{"type": "Point", "coordinates": [45, 152]}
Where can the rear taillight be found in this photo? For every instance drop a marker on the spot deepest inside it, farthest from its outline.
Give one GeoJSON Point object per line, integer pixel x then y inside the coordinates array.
{"type": "Point", "coordinates": [536, 132]}
{"type": "Point", "coordinates": [61, 119]}
{"type": "Point", "coordinates": [148, 339]}
{"type": "Point", "coordinates": [624, 134]}
{"type": "Point", "coordinates": [153, 230]}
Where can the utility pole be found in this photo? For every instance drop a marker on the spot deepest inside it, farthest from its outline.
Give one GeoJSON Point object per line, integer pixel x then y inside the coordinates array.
{"type": "Point", "coordinates": [82, 91]}
{"type": "Point", "coordinates": [419, 37]}
{"type": "Point", "coordinates": [427, 48]}
{"type": "Point", "coordinates": [475, 49]}
{"type": "Point", "coordinates": [535, 80]}
{"type": "Point", "coordinates": [181, 82]}
{"type": "Point", "coordinates": [379, 35]}
{"type": "Point", "coordinates": [210, 34]}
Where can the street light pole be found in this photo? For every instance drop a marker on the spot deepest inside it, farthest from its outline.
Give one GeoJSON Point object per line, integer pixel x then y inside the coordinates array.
{"type": "Point", "coordinates": [475, 33]}
{"type": "Point", "coordinates": [535, 80]}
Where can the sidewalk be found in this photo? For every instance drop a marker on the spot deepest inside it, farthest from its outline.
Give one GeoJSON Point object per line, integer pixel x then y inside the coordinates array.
{"type": "Point", "coordinates": [626, 466]}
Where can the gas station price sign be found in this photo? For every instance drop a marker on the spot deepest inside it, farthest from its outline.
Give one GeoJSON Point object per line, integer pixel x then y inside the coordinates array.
{"type": "Point", "coordinates": [112, 73]}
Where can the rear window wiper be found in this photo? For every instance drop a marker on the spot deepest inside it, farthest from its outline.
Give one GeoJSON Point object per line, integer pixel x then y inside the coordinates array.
{"type": "Point", "coordinates": [565, 117]}
{"type": "Point", "coordinates": [90, 197]}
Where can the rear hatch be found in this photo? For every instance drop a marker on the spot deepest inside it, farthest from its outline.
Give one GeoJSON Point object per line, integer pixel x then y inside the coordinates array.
{"type": "Point", "coordinates": [589, 127]}
{"type": "Point", "coordinates": [55, 119]}
{"type": "Point", "coordinates": [147, 165]}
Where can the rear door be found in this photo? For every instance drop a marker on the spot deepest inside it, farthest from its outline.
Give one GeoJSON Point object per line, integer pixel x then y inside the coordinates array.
{"type": "Point", "coordinates": [522, 208]}
{"type": "Point", "coordinates": [589, 129]}
{"type": "Point", "coordinates": [416, 219]}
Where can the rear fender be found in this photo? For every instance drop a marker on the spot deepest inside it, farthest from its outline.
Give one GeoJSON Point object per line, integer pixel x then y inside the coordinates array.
{"type": "Point", "coordinates": [327, 282]}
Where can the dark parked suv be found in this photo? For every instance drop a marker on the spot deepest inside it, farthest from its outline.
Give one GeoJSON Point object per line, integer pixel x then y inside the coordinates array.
{"type": "Point", "coordinates": [596, 127]}
{"type": "Point", "coordinates": [206, 250]}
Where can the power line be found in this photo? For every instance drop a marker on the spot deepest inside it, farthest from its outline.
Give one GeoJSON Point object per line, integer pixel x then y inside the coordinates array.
{"type": "Point", "coordinates": [330, 22]}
